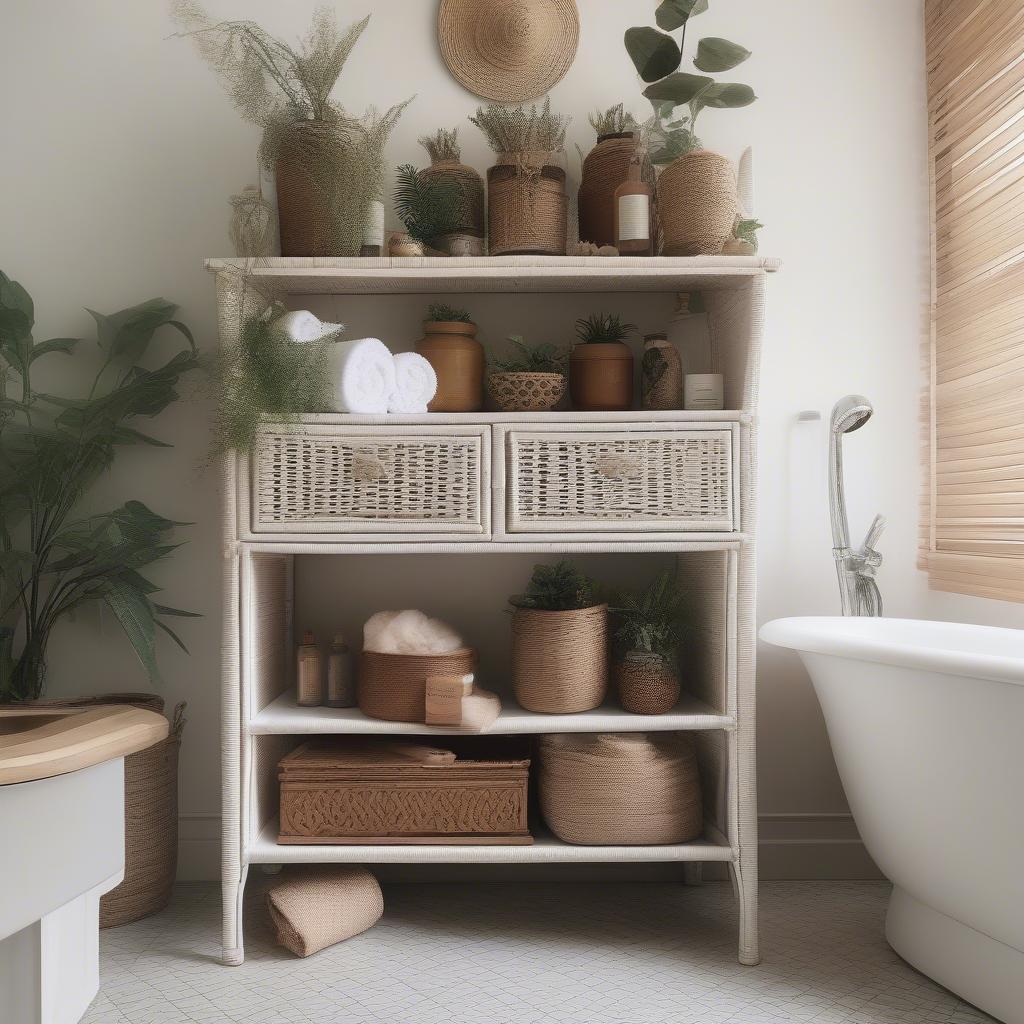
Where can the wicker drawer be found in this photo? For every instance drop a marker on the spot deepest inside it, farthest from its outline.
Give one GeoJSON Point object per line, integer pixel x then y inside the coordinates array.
{"type": "Point", "coordinates": [641, 481]}
{"type": "Point", "coordinates": [365, 480]}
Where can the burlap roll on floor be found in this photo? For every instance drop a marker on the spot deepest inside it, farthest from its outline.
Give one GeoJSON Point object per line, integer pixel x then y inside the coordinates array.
{"type": "Point", "coordinates": [620, 789]}
{"type": "Point", "coordinates": [315, 907]}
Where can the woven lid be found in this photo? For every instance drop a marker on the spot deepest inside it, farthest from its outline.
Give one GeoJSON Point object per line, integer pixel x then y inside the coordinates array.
{"type": "Point", "coordinates": [508, 50]}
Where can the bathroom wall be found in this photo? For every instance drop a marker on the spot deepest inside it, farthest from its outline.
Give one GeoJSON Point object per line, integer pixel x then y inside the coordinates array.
{"type": "Point", "coordinates": [121, 150]}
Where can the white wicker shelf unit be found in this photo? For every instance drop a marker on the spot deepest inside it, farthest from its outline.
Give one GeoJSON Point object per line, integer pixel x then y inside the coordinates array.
{"type": "Point", "coordinates": [676, 483]}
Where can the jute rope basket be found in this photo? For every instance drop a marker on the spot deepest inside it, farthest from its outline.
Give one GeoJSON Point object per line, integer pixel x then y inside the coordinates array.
{"type": "Point", "coordinates": [560, 659]}
{"type": "Point", "coordinates": [527, 207]}
{"type": "Point", "coordinates": [697, 204]}
{"type": "Point", "coordinates": [393, 686]}
{"type": "Point", "coordinates": [646, 684]}
{"type": "Point", "coordinates": [604, 170]}
{"type": "Point", "coordinates": [526, 392]}
{"type": "Point", "coordinates": [150, 815]}
{"type": "Point", "coordinates": [620, 789]}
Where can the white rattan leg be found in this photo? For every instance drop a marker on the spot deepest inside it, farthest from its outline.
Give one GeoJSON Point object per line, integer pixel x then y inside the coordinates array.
{"type": "Point", "coordinates": [233, 954]}
{"type": "Point", "coordinates": [746, 889]}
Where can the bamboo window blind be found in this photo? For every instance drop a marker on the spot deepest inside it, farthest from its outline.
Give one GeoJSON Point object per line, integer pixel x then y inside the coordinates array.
{"type": "Point", "coordinates": [973, 523]}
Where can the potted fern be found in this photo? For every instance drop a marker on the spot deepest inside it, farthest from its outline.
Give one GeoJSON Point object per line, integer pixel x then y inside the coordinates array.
{"type": "Point", "coordinates": [559, 642]}
{"type": "Point", "coordinates": [601, 364]}
{"type": "Point", "coordinates": [648, 631]}
{"type": "Point", "coordinates": [531, 380]}
{"type": "Point", "coordinates": [467, 236]}
{"type": "Point", "coordinates": [429, 207]}
{"type": "Point", "coordinates": [449, 344]}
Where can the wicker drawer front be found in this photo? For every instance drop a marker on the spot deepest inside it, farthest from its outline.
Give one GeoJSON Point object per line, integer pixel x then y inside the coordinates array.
{"type": "Point", "coordinates": [370, 482]}
{"type": "Point", "coordinates": [673, 481]}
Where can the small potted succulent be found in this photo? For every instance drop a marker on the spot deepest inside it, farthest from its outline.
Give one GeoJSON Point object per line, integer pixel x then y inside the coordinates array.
{"type": "Point", "coordinates": [648, 631]}
{"type": "Point", "coordinates": [559, 642]}
{"type": "Point", "coordinates": [532, 380]}
{"type": "Point", "coordinates": [601, 365]}
{"type": "Point", "coordinates": [449, 344]}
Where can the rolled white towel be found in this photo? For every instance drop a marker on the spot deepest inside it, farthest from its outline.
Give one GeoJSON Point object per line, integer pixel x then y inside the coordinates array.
{"type": "Point", "coordinates": [300, 325]}
{"type": "Point", "coordinates": [415, 384]}
{"type": "Point", "coordinates": [363, 375]}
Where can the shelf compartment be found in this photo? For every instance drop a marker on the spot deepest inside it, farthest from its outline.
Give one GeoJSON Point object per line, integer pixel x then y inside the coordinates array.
{"type": "Point", "coordinates": [546, 849]}
{"type": "Point", "coordinates": [284, 717]}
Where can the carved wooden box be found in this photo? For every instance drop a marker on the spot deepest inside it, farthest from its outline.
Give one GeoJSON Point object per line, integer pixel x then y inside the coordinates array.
{"type": "Point", "coordinates": [357, 791]}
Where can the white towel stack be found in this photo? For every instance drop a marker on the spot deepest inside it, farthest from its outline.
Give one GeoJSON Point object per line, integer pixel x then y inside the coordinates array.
{"type": "Point", "coordinates": [415, 384]}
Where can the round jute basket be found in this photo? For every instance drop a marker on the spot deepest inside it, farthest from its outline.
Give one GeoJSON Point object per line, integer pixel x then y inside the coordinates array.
{"type": "Point", "coordinates": [697, 202]}
{"type": "Point", "coordinates": [604, 170]}
{"type": "Point", "coordinates": [527, 207]}
{"type": "Point", "coordinates": [150, 814]}
{"type": "Point", "coordinates": [393, 686]}
{"type": "Point", "coordinates": [647, 684]}
{"type": "Point", "coordinates": [526, 392]}
{"type": "Point", "coordinates": [560, 659]}
{"type": "Point", "coordinates": [620, 789]}
{"type": "Point", "coordinates": [472, 222]}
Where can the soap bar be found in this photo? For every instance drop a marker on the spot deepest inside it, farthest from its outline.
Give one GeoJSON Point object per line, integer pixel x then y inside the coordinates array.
{"type": "Point", "coordinates": [444, 698]}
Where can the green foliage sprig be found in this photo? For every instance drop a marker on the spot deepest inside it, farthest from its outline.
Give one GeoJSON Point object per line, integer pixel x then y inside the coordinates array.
{"type": "Point", "coordinates": [652, 620]}
{"type": "Point", "coordinates": [555, 588]}
{"type": "Point", "coordinates": [521, 130]}
{"type": "Point", "coordinates": [442, 313]}
{"type": "Point", "coordinates": [53, 559]}
{"type": "Point", "coordinates": [540, 358]}
{"type": "Point", "coordinates": [601, 328]}
{"type": "Point", "coordinates": [613, 121]}
{"type": "Point", "coordinates": [657, 57]}
{"type": "Point", "coordinates": [443, 145]}
{"type": "Point", "coordinates": [429, 206]}
{"type": "Point", "coordinates": [746, 231]}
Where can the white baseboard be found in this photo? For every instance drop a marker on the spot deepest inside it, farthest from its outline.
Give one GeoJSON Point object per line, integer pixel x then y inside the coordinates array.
{"type": "Point", "coordinates": [791, 846]}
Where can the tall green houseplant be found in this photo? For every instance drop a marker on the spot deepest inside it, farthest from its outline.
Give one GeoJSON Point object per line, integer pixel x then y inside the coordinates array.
{"type": "Point", "coordinates": [53, 557]}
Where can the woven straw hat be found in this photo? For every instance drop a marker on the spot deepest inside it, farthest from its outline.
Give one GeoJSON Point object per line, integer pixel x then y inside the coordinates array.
{"type": "Point", "coordinates": [508, 50]}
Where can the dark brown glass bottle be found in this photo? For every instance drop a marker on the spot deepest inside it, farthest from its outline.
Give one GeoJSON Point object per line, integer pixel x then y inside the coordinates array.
{"type": "Point", "coordinates": [633, 200]}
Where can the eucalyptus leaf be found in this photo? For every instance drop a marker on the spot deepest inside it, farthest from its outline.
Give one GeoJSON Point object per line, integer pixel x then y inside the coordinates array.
{"type": "Point", "coordinates": [715, 54]}
{"type": "Point", "coordinates": [727, 95]}
{"type": "Point", "coordinates": [653, 53]}
{"type": "Point", "coordinates": [678, 88]}
{"type": "Point", "coordinates": [673, 14]}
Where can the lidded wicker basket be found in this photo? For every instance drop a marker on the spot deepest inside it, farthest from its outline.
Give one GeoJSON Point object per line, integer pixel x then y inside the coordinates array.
{"type": "Point", "coordinates": [527, 206]}
{"type": "Point", "coordinates": [560, 659]}
{"type": "Point", "coordinates": [526, 392]}
{"type": "Point", "coordinates": [392, 687]}
{"type": "Point", "coordinates": [620, 789]}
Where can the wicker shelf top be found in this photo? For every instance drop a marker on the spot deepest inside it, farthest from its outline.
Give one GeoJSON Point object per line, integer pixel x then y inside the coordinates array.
{"type": "Point", "coordinates": [637, 417]}
{"type": "Point", "coordinates": [308, 275]}
{"type": "Point", "coordinates": [284, 717]}
{"type": "Point", "coordinates": [546, 849]}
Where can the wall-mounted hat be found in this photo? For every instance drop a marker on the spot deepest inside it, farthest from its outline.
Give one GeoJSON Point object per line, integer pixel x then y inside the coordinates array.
{"type": "Point", "coordinates": [508, 50]}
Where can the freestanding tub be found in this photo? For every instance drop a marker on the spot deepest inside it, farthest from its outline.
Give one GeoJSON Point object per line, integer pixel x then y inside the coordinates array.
{"type": "Point", "coordinates": [926, 721]}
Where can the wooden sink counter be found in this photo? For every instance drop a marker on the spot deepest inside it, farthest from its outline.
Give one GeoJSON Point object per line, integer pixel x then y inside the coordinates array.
{"type": "Point", "coordinates": [38, 743]}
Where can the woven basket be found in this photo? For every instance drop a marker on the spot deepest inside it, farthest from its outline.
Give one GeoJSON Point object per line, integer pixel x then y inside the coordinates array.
{"type": "Point", "coordinates": [527, 208]}
{"type": "Point", "coordinates": [393, 686]}
{"type": "Point", "coordinates": [560, 659]}
{"type": "Point", "coordinates": [697, 201]}
{"type": "Point", "coordinates": [647, 684]}
{"type": "Point", "coordinates": [624, 789]}
{"type": "Point", "coordinates": [150, 814]}
{"type": "Point", "coordinates": [604, 170]}
{"type": "Point", "coordinates": [526, 392]}
{"type": "Point", "coordinates": [472, 185]}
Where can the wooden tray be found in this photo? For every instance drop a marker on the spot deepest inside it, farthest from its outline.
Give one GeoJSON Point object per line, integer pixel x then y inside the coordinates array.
{"type": "Point", "coordinates": [373, 792]}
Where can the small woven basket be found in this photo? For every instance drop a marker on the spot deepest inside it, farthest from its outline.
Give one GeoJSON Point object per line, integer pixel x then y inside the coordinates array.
{"type": "Point", "coordinates": [150, 814]}
{"type": "Point", "coordinates": [527, 208]}
{"type": "Point", "coordinates": [604, 170]}
{"type": "Point", "coordinates": [526, 392]}
{"type": "Point", "coordinates": [392, 687]}
{"type": "Point", "coordinates": [621, 789]}
{"type": "Point", "coordinates": [647, 684]}
{"type": "Point", "coordinates": [697, 202]}
{"type": "Point", "coordinates": [560, 659]}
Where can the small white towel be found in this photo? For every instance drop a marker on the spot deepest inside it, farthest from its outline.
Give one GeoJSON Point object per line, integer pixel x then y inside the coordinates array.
{"type": "Point", "coordinates": [363, 374]}
{"type": "Point", "coordinates": [415, 384]}
{"type": "Point", "coordinates": [300, 325]}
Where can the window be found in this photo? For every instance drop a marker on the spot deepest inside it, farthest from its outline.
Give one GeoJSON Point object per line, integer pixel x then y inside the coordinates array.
{"type": "Point", "coordinates": [973, 523]}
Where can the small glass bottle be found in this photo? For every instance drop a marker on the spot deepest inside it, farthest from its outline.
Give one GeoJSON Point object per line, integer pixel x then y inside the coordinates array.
{"type": "Point", "coordinates": [309, 673]}
{"type": "Point", "coordinates": [633, 213]}
{"type": "Point", "coordinates": [341, 680]}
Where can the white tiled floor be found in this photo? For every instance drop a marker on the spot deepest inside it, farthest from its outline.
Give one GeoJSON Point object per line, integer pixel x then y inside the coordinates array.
{"type": "Point", "coordinates": [652, 953]}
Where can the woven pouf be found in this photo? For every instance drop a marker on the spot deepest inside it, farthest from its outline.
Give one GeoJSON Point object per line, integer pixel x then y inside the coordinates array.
{"type": "Point", "coordinates": [560, 659]}
{"type": "Point", "coordinates": [604, 170]}
{"type": "Point", "coordinates": [620, 789]}
{"type": "Point", "coordinates": [393, 686]}
{"type": "Point", "coordinates": [526, 392]}
{"type": "Point", "coordinates": [527, 208]}
{"type": "Point", "coordinates": [314, 907]}
{"type": "Point", "coordinates": [697, 202]}
{"type": "Point", "coordinates": [646, 684]}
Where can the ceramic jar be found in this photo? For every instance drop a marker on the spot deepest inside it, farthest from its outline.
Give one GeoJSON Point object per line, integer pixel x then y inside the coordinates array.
{"type": "Point", "coordinates": [601, 377]}
{"type": "Point", "coordinates": [457, 357]}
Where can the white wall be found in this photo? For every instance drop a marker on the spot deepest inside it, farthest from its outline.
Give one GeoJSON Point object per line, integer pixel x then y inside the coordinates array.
{"type": "Point", "coordinates": [121, 150]}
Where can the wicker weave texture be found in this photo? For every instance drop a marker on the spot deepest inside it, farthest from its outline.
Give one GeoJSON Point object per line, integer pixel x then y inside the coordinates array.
{"type": "Point", "coordinates": [673, 480]}
{"type": "Point", "coordinates": [527, 210]}
{"type": "Point", "coordinates": [698, 203]}
{"type": "Point", "coordinates": [646, 685]}
{"type": "Point", "coordinates": [604, 170]}
{"type": "Point", "coordinates": [620, 788]}
{"type": "Point", "coordinates": [526, 392]}
{"type": "Point", "coordinates": [393, 686]}
{"type": "Point", "coordinates": [309, 482]}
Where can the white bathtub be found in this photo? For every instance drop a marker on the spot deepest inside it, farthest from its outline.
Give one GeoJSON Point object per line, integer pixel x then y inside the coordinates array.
{"type": "Point", "coordinates": [926, 721]}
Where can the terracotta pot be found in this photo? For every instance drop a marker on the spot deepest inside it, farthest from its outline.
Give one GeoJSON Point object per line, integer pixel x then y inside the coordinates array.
{"type": "Point", "coordinates": [698, 203]}
{"type": "Point", "coordinates": [457, 357]}
{"type": "Point", "coordinates": [601, 377]}
{"type": "Point", "coordinates": [526, 392]}
{"type": "Point", "coordinates": [604, 170]}
{"type": "Point", "coordinates": [647, 684]}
